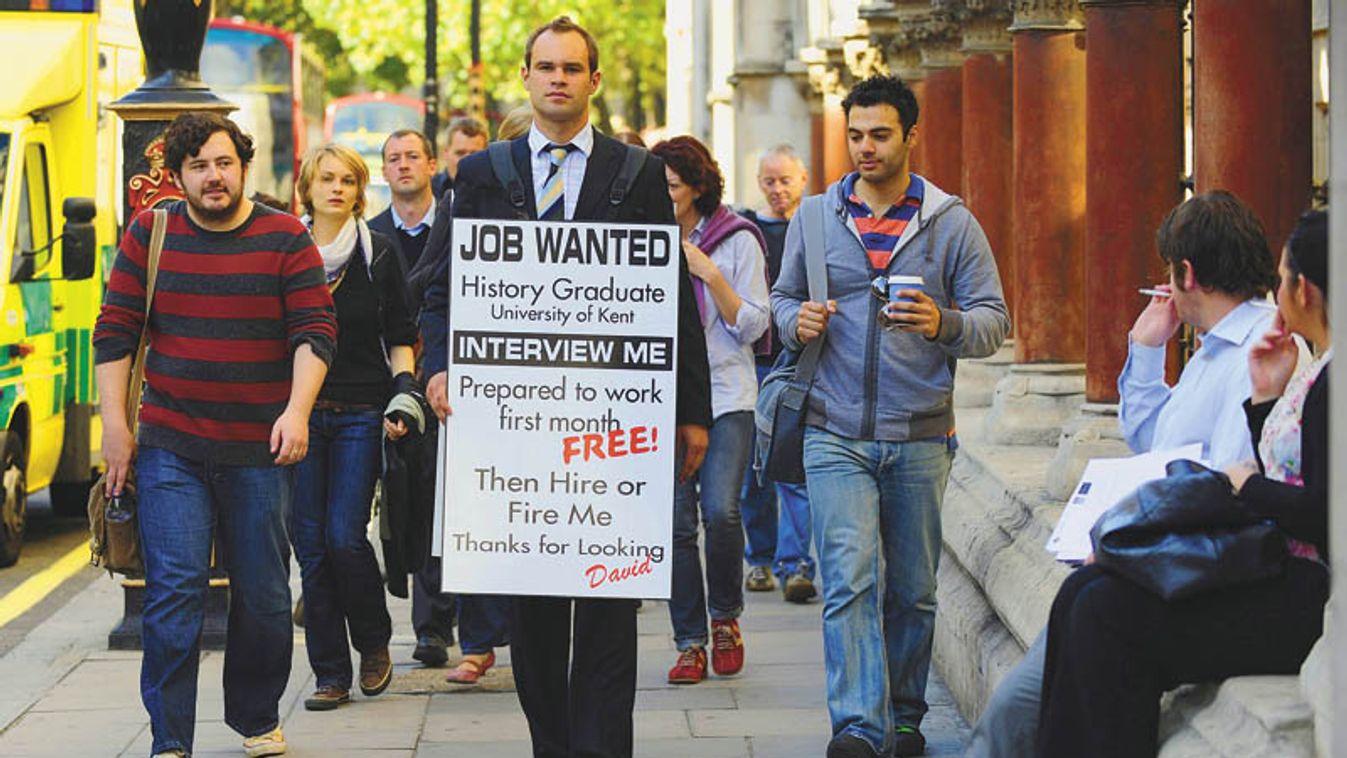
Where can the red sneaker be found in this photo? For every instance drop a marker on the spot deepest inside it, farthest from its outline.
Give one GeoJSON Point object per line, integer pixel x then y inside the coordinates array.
{"type": "Point", "coordinates": [690, 667]}
{"type": "Point", "coordinates": [727, 647]}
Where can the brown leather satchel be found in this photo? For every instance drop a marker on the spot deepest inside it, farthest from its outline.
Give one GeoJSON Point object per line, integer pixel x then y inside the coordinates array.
{"type": "Point", "coordinates": [114, 530]}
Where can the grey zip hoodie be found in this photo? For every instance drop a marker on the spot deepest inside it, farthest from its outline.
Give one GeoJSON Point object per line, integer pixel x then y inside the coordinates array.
{"type": "Point", "coordinates": [874, 384]}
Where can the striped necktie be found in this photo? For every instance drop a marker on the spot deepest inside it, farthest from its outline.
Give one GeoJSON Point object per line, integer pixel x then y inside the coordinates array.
{"type": "Point", "coordinates": [552, 200]}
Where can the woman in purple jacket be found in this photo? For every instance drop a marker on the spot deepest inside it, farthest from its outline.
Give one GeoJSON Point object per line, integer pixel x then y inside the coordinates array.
{"type": "Point", "coordinates": [726, 257]}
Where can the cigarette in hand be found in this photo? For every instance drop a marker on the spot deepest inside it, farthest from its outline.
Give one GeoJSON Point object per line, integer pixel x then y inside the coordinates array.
{"type": "Point", "coordinates": [1154, 293]}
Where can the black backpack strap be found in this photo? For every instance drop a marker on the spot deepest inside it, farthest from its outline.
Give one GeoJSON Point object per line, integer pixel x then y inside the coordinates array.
{"type": "Point", "coordinates": [632, 163]}
{"type": "Point", "coordinates": [502, 165]}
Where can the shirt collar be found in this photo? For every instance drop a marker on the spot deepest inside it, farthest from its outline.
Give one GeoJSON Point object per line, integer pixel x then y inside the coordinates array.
{"type": "Point", "coordinates": [916, 191]}
{"type": "Point", "coordinates": [584, 141]}
{"type": "Point", "coordinates": [695, 235]}
{"type": "Point", "coordinates": [426, 221]}
{"type": "Point", "coordinates": [1236, 325]}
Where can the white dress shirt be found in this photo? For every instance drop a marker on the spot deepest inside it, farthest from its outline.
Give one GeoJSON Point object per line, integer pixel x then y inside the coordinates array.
{"type": "Point", "coordinates": [424, 224]}
{"type": "Point", "coordinates": [572, 168]}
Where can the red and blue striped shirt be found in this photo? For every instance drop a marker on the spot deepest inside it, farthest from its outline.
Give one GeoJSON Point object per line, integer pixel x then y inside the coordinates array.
{"type": "Point", "coordinates": [880, 234]}
{"type": "Point", "coordinates": [229, 310]}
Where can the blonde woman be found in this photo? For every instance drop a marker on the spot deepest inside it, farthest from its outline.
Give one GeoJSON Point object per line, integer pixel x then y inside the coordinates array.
{"type": "Point", "coordinates": [334, 485]}
{"type": "Point", "coordinates": [515, 124]}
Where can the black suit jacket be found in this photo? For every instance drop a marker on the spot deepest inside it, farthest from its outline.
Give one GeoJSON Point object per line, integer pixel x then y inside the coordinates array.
{"type": "Point", "coordinates": [478, 194]}
{"type": "Point", "coordinates": [383, 224]}
{"type": "Point", "coordinates": [418, 276]}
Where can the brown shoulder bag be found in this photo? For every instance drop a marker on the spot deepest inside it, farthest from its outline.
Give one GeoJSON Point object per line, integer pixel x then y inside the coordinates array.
{"type": "Point", "coordinates": [114, 530]}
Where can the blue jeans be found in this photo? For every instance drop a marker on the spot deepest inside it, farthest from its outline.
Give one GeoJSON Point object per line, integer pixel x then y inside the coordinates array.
{"type": "Point", "coordinates": [483, 622]}
{"type": "Point", "coordinates": [1008, 727]}
{"type": "Point", "coordinates": [780, 540]}
{"type": "Point", "coordinates": [776, 538]}
{"type": "Point", "coordinates": [181, 503]}
{"type": "Point", "coordinates": [876, 509]}
{"type": "Point", "coordinates": [716, 488]}
{"type": "Point", "coordinates": [343, 588]}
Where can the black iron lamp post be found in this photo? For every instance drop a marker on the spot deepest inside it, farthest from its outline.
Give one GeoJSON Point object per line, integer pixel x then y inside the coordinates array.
{"type": "Point", "coordinates": [172, 34]}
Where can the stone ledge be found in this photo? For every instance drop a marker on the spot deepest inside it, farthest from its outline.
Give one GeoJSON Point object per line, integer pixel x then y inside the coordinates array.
{"type": "Point", "coordinates": [996, 520]}
{"type": "Point", "coordinates": [1241, 717]}
{"type": "Point", "coordinates": [996, 586]}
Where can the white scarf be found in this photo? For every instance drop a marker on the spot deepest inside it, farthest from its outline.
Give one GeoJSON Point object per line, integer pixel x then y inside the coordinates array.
{"type": "Point", "coordinates": [338, 252]}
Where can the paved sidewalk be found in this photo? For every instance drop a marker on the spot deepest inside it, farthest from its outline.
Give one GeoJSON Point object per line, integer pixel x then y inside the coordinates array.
{"type": "Point", "coordinates": [74, 698]}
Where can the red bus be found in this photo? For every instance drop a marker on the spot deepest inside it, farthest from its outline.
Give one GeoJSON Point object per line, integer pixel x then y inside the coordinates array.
{"type": "Point", "coordinates": [379, 113]}
{"type": "Point", "coordinates": [278, 85]}
{"type": "Point", "coordinates": [362, 122]}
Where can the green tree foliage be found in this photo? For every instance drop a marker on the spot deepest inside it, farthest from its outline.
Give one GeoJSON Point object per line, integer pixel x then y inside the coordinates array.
{"type": "Point", "coordinates": [380, 45]}
{"type": "Point", "coordinates": [292, 16]}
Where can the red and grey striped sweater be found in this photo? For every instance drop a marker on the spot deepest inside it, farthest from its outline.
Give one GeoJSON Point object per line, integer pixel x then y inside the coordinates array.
{"type": "Point", "coordinates": [229, 309]}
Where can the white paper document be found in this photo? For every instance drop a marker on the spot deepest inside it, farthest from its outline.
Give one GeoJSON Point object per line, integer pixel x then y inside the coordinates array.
{"type": "Point", "coordinates": [1104, 483]}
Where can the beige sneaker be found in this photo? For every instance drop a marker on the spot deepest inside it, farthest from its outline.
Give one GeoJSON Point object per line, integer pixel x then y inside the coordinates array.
{"type": "Point", "coordinates": [271, 743]}
{"type": "Point", "coordinates": [759, 579]}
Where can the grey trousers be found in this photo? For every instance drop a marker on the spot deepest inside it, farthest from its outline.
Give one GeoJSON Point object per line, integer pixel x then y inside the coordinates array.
{"type": "Point", "coordinates": [1009, 725]}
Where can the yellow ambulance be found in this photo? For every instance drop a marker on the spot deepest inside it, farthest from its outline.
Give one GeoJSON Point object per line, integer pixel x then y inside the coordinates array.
{"type": "Point", "coordinates": [60, 213]}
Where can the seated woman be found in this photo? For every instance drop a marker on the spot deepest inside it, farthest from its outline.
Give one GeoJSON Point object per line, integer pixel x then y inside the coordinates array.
{"type": "Point", "coordinates": [1114, 647]}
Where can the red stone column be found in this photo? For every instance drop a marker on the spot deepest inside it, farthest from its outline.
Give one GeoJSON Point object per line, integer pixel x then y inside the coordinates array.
{"type": "Point", "coordinates": [987, 137]}
{"type": "Point", "coordinates": [941, 119]}
{"type": "Point", "coordinates": [817, 143]}
{"type": "Point", "coordinates": [1252, 106]}
{"type": "Point", "coordinates": [827, 70]}
{"type": "Point", "coordinates": [1134, 160]}
{"type": "Point", "coordinates": [917, 158]}
{"type": "Point", "coordinates": [836, 159]}
{"type": "Point", "coordinates": [1049, 181]}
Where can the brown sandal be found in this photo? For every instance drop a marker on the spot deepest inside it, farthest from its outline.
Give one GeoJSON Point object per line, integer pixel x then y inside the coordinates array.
{"type": "Point", "coordinates": [469, 671]}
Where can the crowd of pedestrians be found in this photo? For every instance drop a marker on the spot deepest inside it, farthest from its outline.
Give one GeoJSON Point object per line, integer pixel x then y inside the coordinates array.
{"type": "Point", "coordinates": [309, 329]}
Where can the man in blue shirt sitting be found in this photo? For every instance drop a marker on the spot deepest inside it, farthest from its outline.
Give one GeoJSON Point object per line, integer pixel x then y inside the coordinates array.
{"type": "Point", "coordinates": [1220, 271]}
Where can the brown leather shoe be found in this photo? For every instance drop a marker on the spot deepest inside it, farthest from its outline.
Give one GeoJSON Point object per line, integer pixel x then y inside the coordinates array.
{"type": "Point", "coordinates": [327, 699]}
{"type": "Point", "coordinates": [376, 671]}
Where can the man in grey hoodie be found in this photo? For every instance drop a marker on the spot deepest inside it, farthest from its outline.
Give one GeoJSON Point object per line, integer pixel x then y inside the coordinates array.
{"type": "Point", "coordinates": [880, 435]}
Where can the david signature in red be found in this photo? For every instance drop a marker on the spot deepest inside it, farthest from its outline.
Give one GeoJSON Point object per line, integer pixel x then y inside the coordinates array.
{"type": "Point", "coordinates": [599, 574]}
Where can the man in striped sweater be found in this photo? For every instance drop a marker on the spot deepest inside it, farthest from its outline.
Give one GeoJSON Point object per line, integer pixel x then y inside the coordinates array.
{"type": "Point", "coordinates": [241, 332]}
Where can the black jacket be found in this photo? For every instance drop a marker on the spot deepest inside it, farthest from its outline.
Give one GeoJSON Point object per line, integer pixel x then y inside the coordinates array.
{"type": "Point", "coordinates": [418, 275]}
{"type": "Point", "coordinates": [440, 183]}
{"type": "Point", "coordinates": [383, 224]}
{"type": "Point", "coordinates": [478, 194]}
{"type": "Point", "coordinates": [1300, 511]}
{"type": "Point", "coordinates": [390, 281]}
{"type": "Point", "coordinates": [407, 505]}
{"type": "Point", "coordinates": [360, 366]}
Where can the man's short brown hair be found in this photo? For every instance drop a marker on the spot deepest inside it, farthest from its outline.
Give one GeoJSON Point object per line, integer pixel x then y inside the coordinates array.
{"type": "Point", "coordinates": [399, 134]}
{"type": "Point", "coordinates": [563, 25]}
{"type": "Point", "coordinates": [465, 125]}
{"type": "Point", "coordinates": [1222, 239]}
{"type": "Point", "coordinates": [189, 131]}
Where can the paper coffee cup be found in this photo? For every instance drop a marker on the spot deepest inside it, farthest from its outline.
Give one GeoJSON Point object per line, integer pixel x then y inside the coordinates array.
{"type": "Point", "coordinates": [899, 282]}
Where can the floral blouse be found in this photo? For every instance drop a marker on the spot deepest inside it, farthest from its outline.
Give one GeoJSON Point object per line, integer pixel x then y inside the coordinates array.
{"type": "Point", "coordinates": [1280, 445]}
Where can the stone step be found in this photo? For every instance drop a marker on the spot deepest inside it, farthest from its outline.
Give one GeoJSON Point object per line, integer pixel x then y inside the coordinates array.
{"type": "Point", "coordinates": [1243, 717]}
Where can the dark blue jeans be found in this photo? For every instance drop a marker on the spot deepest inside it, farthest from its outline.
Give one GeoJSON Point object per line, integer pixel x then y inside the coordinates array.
{"type": "Point", "coordinates": [483, 622]}
{"type": "Point", "coordinates": [343, 589]}
{"type": "Point", "coordinates": [715, 488]}
{"type": "Point", "coordinates": [182, 502]}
